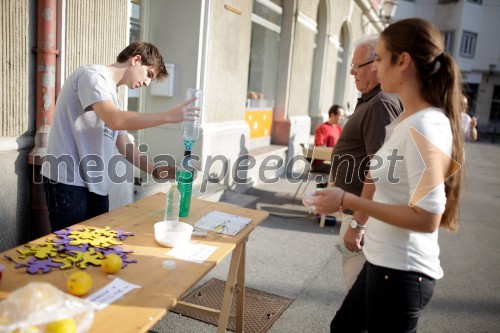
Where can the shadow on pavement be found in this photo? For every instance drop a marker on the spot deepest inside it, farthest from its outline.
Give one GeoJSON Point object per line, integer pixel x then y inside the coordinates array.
{"type": "Point", "coordinates": [286, 212]}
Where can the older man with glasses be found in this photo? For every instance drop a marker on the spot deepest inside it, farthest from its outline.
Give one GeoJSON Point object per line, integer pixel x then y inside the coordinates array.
{"type": "Point", "coordinates": [362, 136]}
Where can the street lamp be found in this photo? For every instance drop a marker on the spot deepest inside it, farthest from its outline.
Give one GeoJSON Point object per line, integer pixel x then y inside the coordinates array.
{"type": "Point", "coordinates": [388, 10]}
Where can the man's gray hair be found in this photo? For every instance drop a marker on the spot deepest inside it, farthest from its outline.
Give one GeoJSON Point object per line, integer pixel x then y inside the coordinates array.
{"type": "Point", "coordinates": [369, 41]}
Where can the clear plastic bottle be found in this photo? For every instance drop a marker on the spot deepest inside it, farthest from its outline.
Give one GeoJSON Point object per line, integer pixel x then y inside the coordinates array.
{"type": "Point", "coordinates": [190, 129]}
{"type": "Point", "coordinates": [172, 204]}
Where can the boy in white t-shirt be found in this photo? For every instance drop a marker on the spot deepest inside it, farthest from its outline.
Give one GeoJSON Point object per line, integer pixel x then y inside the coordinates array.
{"type": "Point", "coordinates": [89, 125]}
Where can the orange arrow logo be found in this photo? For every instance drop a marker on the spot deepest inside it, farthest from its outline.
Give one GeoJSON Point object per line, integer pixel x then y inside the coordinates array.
{"type": "Point", "coordinates": [438, 166]}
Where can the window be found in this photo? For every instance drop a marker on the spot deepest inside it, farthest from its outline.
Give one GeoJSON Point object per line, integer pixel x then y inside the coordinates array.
{"type": "Point", "coordinates": [477, 2]}
{"type": "Point", "coordinates": [342, 71]}
{"type": "Point", "coordinates": [449, 37]}
{"type": "Point", "coordinates": [447, 1]}
{"type": "Point", "coordinates": [136, 33]}
{"type": "Point", "coordinates": [135, 20]}
{"type": "Point", "coordinates": [264, 52]}
{"type": "Point", "coordinates": [495, 106]}
{"type": "Point", "coordinates": [136, 14]}
{"type": "Point", "coordinates": [468, 45]}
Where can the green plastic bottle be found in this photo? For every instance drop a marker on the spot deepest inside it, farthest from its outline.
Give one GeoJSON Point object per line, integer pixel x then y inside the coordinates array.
{"type": "Point", "coordinates": [185, 184]}
{"type": "Point", "coordinates": [190, 132]}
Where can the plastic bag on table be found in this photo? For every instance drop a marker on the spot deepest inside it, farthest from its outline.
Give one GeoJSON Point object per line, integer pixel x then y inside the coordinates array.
{"type": "Point", "coordinates": [32, 307]}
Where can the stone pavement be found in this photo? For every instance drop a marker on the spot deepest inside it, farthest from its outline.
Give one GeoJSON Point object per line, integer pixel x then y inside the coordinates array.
{"type": "Point", "coordinates": [290, 256]}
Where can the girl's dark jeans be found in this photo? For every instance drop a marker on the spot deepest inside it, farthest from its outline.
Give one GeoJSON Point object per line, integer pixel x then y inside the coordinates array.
{"type": "Point", "coordinates": [70, 204]}
{"type": "Point", "coordinates": [384, 300]}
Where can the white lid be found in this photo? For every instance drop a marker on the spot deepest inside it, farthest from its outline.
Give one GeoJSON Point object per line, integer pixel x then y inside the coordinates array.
{"type": "Point", "coordinates": [168, 264]}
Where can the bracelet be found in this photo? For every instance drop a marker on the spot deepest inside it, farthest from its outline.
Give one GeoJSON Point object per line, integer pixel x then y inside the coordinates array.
{"type": "Point", "coordinates": [341, 202]}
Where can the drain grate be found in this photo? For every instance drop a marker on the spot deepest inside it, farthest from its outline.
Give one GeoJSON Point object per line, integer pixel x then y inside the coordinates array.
{"type": "Point", "coordinates": [261, 309]}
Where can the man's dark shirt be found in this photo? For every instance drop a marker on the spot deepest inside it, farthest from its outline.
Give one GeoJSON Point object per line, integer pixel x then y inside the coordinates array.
{"type": "Point", "coordinates": [362, 136]}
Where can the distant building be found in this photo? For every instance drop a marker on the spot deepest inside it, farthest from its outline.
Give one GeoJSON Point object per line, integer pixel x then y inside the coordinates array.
{"type": "Point", "coordinates": [470, 29]}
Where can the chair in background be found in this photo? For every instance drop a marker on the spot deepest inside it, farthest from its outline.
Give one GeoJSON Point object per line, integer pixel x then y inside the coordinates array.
{"type": "Point", "coordinates": [311, 154]}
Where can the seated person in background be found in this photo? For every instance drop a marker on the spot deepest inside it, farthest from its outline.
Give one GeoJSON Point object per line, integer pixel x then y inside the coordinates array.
{"type": "Point", "coordinates": [469, 132]}
{"type": "Point", "coordinates": [327, 134]}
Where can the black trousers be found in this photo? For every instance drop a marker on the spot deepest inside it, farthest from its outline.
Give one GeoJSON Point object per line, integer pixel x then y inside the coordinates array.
{"type": "Point", "coordinates": [384, 300]}
{"type": "Point", "coordinates": [70, 204]}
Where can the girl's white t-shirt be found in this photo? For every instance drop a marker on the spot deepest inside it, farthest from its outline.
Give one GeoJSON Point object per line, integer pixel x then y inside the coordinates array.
{"type": "Point", "coordinates": [397, 170]}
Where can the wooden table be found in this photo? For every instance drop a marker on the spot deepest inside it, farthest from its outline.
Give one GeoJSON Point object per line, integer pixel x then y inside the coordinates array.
{"type": "Point", "coordinates": [140, 309]}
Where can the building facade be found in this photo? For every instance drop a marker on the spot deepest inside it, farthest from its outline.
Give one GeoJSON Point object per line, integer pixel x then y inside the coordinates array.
{"type": "Point", "coordinates": [270, 70]}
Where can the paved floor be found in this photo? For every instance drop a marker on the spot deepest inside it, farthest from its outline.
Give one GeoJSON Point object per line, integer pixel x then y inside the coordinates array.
{"type": "Point", "coordinates": [290, 256]}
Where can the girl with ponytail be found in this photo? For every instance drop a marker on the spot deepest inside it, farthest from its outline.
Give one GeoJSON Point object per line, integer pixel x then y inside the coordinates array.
{"type": "Point", "coordinates": [414, 184]}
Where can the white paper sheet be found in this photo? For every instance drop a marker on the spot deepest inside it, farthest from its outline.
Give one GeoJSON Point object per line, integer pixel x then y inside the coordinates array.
{"type": "Point", "coordinates": [110, 293]}
{"type": "Point", "coordinates": [196, 253]}
{"type": "Point", "coordinates": [223, 223]}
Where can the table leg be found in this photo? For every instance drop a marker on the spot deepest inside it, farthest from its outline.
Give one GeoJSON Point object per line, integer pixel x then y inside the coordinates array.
{"type": "Point", "coordinates": [322, 220]}
{"type": "Point", "coordinates": [240, 290]}
{"type": "Point", "coordinates": [228, 291]}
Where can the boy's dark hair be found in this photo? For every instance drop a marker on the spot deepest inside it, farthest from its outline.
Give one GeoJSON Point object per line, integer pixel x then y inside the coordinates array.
{"type": "Point", "coordinates": [150, 56]}
{"type": "Point", "coordinates": [334, 109]}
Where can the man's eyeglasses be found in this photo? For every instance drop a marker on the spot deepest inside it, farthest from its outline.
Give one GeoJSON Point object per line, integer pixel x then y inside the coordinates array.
{"type": "Point", "coordinates": [356, 68]}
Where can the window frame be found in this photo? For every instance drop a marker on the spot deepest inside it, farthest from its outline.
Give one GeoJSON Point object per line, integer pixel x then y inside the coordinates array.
{"type": "Point", "coordinates": [261, 97]}
{"type": "Point", "coordinates": [449, 40]}
{"type": "Point", "coordinates": [468, 44]}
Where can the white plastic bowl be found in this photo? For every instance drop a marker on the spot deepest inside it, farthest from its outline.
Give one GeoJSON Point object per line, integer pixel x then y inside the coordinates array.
{"type": "Point", "coordinates": [172, 234]}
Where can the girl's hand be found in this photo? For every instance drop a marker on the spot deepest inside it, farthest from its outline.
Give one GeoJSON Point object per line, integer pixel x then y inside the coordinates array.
{"type": "Point", "coordinates": [328, 200]}
{"type": "Point", "coordinates": [473, 122]}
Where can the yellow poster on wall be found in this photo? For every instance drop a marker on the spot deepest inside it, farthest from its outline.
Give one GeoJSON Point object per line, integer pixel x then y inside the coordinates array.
{"type": "Point", "coordinates": [260, 122]}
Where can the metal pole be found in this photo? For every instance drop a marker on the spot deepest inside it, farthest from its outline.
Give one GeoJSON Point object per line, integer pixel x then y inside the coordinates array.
{"type": "Point", "coordinates": [45, 104]}
{"type": "Point", "coordinates": [45, 76]}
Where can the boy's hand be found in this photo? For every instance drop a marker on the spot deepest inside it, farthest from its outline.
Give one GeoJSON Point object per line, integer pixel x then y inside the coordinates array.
{"type": "Point", "coordinates": [164, 172]}
{"type": "Point", "coordinates": [182, 112]}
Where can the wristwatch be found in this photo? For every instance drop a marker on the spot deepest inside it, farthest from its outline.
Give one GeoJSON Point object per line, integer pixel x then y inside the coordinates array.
{"type": "Point", "coordinates": [357, 226]}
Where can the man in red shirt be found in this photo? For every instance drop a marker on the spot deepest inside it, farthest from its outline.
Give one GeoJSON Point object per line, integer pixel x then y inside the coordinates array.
{"type": "Point", "coordinates": [327, 135]}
